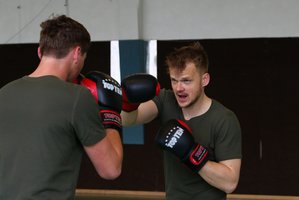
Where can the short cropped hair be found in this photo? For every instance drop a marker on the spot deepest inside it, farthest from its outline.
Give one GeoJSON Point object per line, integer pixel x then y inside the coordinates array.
{"type": "Point", "coordinates": [193, 53]}
{"type": "Point", "coordinates": [60, 34]}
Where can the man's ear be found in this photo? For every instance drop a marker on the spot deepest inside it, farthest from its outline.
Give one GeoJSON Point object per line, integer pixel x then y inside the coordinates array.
{"type": "Point", "coordinates": [205, 79]}
{"type": "Point", "coordinates": [39, 53]}
{"type": "Point", "coordinates": [77, 53]}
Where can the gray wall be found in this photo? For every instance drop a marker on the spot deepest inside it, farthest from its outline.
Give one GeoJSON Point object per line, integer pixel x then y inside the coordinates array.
{"type": "Point", "coordinates": [154, 19]}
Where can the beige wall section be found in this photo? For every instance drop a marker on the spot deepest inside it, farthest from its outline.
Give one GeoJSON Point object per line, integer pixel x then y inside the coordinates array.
{"type": "Point", "coordinates": [154, 19]}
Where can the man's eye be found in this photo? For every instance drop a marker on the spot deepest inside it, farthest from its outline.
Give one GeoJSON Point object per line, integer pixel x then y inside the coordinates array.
{"type": "Point", "coordinates": [174, 81]}
{"type": "Point", "coordinates": [186, 81]}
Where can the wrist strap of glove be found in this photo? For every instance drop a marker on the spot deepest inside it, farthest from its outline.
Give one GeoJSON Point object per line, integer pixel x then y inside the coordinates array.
{"type": "Point", "coordinates": [111, 119]}
{"type": "Point", "coordinates": [197, 158]}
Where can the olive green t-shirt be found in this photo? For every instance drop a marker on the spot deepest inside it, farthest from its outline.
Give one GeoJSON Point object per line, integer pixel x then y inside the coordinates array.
{"type": "Point", "coordinates": [44, 124]}
{"type": "Point", "coordinates": [218, 130]}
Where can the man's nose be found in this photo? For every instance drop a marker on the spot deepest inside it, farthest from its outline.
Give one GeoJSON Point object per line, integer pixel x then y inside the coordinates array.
{"type": "Point", "coordinates": [179, 86]}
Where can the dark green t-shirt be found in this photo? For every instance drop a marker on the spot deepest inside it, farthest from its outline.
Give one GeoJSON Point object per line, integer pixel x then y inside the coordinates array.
{"type": "Point", "coordinates": [218, 130]}
{"type": "Point", "coordinates": [44, 124]}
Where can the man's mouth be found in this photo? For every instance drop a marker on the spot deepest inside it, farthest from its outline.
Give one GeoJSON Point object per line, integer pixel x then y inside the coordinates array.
{"type": "Point", "coordinates": [182, 97]}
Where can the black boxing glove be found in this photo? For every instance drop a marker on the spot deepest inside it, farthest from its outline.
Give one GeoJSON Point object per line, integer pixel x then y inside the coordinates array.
{"type": "Point", "coordinates": [107, 92]}
{"type": "Point", "coordinates": [175, 136]}
{"type": "Point", "coordinates": [138, 88]}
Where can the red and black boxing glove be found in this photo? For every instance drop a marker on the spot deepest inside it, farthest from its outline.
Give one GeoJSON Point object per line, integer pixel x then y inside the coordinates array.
{"type": "Point", "coordinates": [79, 79]}
{"type": "Point", "coordinates": [176, 137]}
{"type": "Point", "coordinates": [138, 88]}
{"type": "Point", "coordinates": [107, 92]}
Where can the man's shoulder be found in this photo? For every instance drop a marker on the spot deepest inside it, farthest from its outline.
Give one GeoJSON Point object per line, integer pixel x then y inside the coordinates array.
{"type": "Point", "coordinates": [221, 110]}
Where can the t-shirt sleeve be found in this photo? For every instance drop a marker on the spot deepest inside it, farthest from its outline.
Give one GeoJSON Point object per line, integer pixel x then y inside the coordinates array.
{"type": "Point", "coordinates": [86, 119]}
{"type": "Point", "coordinates": [158, 100]}
{"type": "Point", "coordinates": [229, 138]}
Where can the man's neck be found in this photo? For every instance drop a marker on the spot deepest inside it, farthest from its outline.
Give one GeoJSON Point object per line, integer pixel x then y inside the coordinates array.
{"type": "Point", "coordinates": [200, 107]}
{"type": "Point", "coordinates": [51, 66]}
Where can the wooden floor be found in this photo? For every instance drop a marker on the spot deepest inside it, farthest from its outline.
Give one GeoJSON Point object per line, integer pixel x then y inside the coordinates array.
{"type": "Point", "coordinates": [83, 194]}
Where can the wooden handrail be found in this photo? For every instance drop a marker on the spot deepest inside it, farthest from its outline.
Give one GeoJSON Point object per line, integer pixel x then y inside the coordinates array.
{"type": "Point", "coordinates": [161, 195]}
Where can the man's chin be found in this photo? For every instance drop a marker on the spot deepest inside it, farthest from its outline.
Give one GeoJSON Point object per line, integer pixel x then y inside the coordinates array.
{"type": "Point", "coordinates": [183, 104]}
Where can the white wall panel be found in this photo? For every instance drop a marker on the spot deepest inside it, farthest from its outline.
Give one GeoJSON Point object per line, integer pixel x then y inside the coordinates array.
{"type": "Point", "coordinates": [154, 19]}
{"type": "Point", "coordinates": [20, 19]}
{"type": "Point", "coordinates": [193, 19]}
{"type": "Point", "coordinates": [107, 19]}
